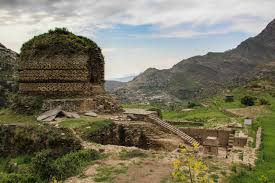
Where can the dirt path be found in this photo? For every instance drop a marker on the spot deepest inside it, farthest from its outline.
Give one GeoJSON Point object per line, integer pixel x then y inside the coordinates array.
{"type": "Point", "coordinates": [149, 171]}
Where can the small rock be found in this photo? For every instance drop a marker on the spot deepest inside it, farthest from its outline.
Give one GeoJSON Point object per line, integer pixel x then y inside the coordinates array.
{"type": "Point", "coordinates": [101, 150]}
{"type": "Point", "coordinates": [91, 113]}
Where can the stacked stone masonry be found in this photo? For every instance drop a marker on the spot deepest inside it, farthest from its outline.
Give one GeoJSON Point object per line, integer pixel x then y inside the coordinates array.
{"type": "Point", "coordinates": [60, 69]}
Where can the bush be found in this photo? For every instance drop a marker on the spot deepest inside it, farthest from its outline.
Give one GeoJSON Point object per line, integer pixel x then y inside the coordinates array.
{"type": "Point", "coordinates": [46, 165]}
{"type": "Point", "coordinates": [73, 163]}
{"type": "Point", "coordinates": [192, 104]}
{"type": "Point", "coordinates": [57, 30]}
{"type": "Point", "coordinates": [159, 113]}
{"type": "Point", "coordinates": [24, 104]}
{"type": "Point", "coordinates": [124, 154]}
{"type": "Point", "coordinates": [263, 102]}
{"type": "Point", "coordinates": [248, 100]}
{"type": "Point", "coordinates": [18, 178]}
{"type": "Point", "coordinates": [229, 99]}
{"type": "Point", "coordinates": [42, 165]}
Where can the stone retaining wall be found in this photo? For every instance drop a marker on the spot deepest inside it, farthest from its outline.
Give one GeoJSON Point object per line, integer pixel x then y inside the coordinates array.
{"type": "Point", "coordinates": [200, 134]}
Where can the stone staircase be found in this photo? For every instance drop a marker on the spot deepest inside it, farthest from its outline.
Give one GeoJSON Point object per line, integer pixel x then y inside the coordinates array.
{"type": "Point", "coordinates": [230, 141]}
{"type": "Point", "coordinates": [174, 130]}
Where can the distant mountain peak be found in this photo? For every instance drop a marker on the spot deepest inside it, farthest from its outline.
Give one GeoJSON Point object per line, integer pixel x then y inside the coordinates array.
{"type": "Point", "coordinates": [203, 76]}
{"type": "Point", "coordinates": [269, 31]}
{"type": "Point", "coordinates": [270, 27]}
{"type": "Point", "coordinates": [2, 46]}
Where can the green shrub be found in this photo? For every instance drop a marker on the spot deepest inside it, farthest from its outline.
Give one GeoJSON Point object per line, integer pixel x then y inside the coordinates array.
{"type": "Point", "coordinates": [229, 99]}
{"type": "Point", "coordinates": [24, 104]}
{"type": "Point", "coordinates": [57, 39]}
{"type": "Point", "coordinates": [18, 178]}
{"type": "Point", "coordinates": [192, 104]}
{"type": "Point", "coordinates": [124, 154]}
{"type": "Point", "coordinates": [46, 165]}
{"type": "Point", "coordinates": [248, 100]}
{"type": "Point", "coordinates": [159, 113]}
{"type": "Point", "coordinates": [96, 127]}
{"type": "Point", "coordinates": [73, 163]}
{"type": "Point", "coordinates": [263, 101]}
{"type": "Point", "coordinates": [42, 165]}
{"type": "Point", "coordinates": [57, 30]}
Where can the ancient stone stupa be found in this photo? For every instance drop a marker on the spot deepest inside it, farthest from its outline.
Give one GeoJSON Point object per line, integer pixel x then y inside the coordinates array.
{"type": "Point", "coordinates": [67, 70]}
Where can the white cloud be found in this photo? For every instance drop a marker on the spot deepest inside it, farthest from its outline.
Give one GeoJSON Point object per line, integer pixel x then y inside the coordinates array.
{"type": "Point", "coordinates": [20, 20]}
{"type": "Point", "coordinates": [93, 15]}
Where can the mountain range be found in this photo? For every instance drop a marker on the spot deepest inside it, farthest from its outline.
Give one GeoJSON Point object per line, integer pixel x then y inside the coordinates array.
{"type": "Point", "coordinates": [206, 75]}
{"type": "Point", "coordinates": [192, 78]}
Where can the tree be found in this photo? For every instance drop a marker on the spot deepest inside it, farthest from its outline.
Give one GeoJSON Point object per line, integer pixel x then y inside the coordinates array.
{"type": "Point", "coordinates": [190, 168]}
{"type": "Point", "coordinates": [248, 100]}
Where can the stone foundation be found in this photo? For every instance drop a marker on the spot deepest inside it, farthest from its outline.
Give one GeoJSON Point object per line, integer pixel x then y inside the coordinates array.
{"type": "Point", "coordinates": [61, 89]}
{"type": "Point", "coordinates": [201, 135]}
{"type": "Point", "coordinates": [135, 133]}
{"type": "Point", "coordinates": [100, 104]}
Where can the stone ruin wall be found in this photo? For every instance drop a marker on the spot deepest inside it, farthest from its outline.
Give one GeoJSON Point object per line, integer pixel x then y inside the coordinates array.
{"type": "Point", "coordinates": [72, 79]}
{"type": "Point", "coordinates": [79, 74]}
{"type": "Point", "coordinates": [240, 141]}
{"type": "Point", "coordinates": [201, 134]}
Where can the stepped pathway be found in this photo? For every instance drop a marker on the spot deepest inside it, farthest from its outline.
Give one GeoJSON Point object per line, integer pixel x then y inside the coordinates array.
{"type": "Point", "coordinates": [175, 130]}
{"type": "Point", "coordinates": [231, 141]}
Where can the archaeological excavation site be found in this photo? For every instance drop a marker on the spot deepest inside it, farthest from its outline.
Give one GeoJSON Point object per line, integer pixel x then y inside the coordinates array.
{"type": "Point", "coordinates": [63, 126]}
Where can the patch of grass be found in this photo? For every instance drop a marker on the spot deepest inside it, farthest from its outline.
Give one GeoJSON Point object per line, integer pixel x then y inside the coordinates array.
{"type": "Point", "coordinates": [77, 123]}
{"type": "Point", "coordinates": [9, 117]}
{"type": "Point", "coordinates": [108, 173]}
{"type": "Point", "coordinates": [96, 127]}
{"type": "Point", "coordinates": [46, 165]}
{"type": "Point", "coordinates": [265, 166]}
{"type": "Point", "coordinates": [210, 116]}
{"type": "Point", "coordinates": [73, 163]}
{"type": "Point", "coordinates": [124, 154]}
{"type": "Point", "coordinates": [18, 164]}
{"type": "Point", "coordinates": [56, 37]}
{"type": "Point", "coordinates": [17, 169]}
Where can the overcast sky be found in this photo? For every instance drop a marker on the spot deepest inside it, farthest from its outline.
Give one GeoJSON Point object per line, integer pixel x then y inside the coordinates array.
{"type": "Point", "coordinates": [137, 34]}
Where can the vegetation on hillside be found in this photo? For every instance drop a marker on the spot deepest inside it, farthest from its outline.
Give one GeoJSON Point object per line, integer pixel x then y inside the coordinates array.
{"type": "Point", "coordinates": [59, 40]}
{"type": "Point", "coordinates": [44, 166]}
{"type": "Point", "coordinates": [265, 167]}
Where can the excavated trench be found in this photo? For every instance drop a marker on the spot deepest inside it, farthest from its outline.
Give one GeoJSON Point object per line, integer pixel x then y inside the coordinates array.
{"type": "Point", "coordinates": [139, 134]}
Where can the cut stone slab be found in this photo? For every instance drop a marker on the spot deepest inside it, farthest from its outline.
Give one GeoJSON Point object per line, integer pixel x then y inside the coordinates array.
{"type": "Point", "coordinates": [49, 114]}
{"type": "Point", "coordinates": [71, 114]}
{"type": "Point", "coordinates": [91, 113]}
{"type": "Point", "coordinates": [132, 117]}
{"type": "Point", "coordinates": [138, 111]}
{"type": "Point", "coordinates": [49, 119]}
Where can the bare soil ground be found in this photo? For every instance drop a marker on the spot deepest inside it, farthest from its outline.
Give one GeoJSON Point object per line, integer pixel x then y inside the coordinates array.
{"type": "Point", "coordinates": [148, 171]}
{"type": "Point", "coordinates": [152, 169]}
{"type": "Point", "coordinates": [251, 112]}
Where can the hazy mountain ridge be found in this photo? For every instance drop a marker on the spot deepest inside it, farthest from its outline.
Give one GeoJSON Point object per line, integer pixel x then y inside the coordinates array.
{"type": "Point", "coordinates": [201, 76]}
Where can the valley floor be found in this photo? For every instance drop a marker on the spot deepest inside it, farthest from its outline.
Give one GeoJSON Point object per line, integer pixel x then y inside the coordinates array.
{"type": "Point", "coordinates": [133, 165]}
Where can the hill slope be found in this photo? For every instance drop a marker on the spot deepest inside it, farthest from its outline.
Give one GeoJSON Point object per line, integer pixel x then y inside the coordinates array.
{"type": "Point", "coordinates": [206, 75]}
{"type": "Point", "coordinates": [7, 72]}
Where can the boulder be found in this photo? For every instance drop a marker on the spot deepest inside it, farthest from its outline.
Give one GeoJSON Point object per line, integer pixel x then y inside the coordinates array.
{"type": "Point", "coordinates": [51, 114]}
{"type": "Point", "coordinates": [91, 113]}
